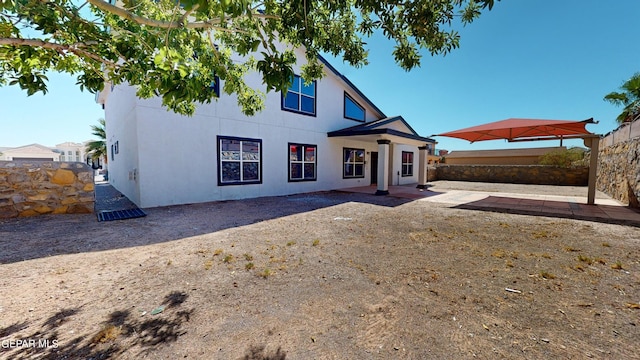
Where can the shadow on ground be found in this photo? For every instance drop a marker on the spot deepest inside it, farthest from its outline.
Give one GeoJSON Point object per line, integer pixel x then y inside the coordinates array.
{"type": "Point", "coordinates": [119, 333]}
{"type": "Point", "coordinates": [50, 235]}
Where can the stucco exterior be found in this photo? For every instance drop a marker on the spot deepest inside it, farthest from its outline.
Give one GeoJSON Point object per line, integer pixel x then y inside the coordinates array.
{"type": "Point", "coordinates": [159, 158]}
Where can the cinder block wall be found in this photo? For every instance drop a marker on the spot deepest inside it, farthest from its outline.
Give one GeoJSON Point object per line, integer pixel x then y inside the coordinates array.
{"type": "Point", "coordinates": [515, 174]}
{"type": "Point", "coordinates": [29, 188]}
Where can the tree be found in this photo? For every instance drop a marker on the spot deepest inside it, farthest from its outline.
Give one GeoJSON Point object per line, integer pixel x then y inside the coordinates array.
{"type": "Point", "coordinates": [629, 98]}
{"type": "Point", "coordinates": [98, 148]}
{"type": "Point", "coordinates": [563, 157]}
{"type": "Point", "coordinates": [176, 49]}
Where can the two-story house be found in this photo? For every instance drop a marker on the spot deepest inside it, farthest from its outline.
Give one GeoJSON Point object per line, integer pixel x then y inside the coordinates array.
{"type": "Point", "coordinates": [323, 136]}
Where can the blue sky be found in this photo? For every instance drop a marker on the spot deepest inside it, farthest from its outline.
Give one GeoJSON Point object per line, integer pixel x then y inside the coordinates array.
{"type": "Point", "coordinates": [548, 59]}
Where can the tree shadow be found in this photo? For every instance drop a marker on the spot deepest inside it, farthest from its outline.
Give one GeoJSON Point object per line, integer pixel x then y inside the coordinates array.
{"type": "Point", "coordinates": [6, 331]}
{"type": "Point", "coordinates": [259, 353]}
{"type": "Point", "coordinates": [119, 333]}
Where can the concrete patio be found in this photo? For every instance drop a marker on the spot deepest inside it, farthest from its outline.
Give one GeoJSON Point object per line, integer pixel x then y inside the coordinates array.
{"type": "Point", "coordinates": [539, 200]}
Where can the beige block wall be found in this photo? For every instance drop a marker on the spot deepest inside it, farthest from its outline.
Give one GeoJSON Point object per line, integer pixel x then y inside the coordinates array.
{"type": "Point", "coordinates": [30, 188]}
{"type": "Point", "coordinates": [515, 174]}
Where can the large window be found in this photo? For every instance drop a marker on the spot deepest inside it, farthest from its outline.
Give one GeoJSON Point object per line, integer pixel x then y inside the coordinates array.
{"type": "Point", "coordinates": [353, 163]}
{"type": "Point", "coordinates": [407, 163]}
{"type": "Point", "coordinates": [352, 110]}
{"type": "Point", "coordinates": [239, 161]}
{"type": "Point", "coordinates": [300, 98]}
{"type": "Point", "coordinates": [302, 162]}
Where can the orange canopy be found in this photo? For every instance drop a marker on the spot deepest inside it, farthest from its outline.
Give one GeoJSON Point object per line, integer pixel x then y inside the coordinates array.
{"type": "Point", "coordinates": [523, 129]}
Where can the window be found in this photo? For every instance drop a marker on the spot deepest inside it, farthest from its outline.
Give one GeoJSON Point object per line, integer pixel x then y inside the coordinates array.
{"type": "Point", "coordinates": [352, 110]}
{"type": "Point", "coordinates": [300, 98]}
{"type": "Point", "coordinates": [353, 163]}
{"type": "Point", "coordinates": [407, 163]}
{"type": "Point", "coordinates": [215, 86]}
{"type": "Point", "coordinates": [302, 162]}
{"type": "Point", "coordinates": [239, 161]}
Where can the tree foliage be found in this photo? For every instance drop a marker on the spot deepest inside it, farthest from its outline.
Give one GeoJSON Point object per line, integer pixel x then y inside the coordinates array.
{"type": "Point", "coordinates": [629, 98]}
{"type": "Point", "coordinates": [563, 157]}
{"type": "Point", "coordinates": [175, 49]}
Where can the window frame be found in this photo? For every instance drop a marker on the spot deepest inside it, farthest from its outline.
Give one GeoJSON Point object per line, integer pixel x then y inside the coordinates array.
{"type": "Point", "coordinates": [299, 94]}
{"type": "Point", "coordinates": [219, 139]}
{"type": "Point", "coordinates": [353, 163]}
{"type": "Point", "coordinates": [302, 162]}
{"type": "Point", "coordinates": [409, 165]}
{"type": "Point", "coordinates": [215, 86]}
{"type": "Point", "coordinates": [344, 108]}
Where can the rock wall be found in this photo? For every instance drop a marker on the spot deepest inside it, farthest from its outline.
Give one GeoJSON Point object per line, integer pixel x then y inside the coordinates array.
{"type": "Point", "coordinates": [515, 174]}
{"type": "Point", "coordinates": [619, 171]}
{"type": "Point", "coordinates": [29, 188]}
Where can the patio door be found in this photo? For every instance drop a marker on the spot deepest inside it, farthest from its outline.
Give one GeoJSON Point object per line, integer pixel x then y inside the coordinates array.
{"type": "Point", "coordinates": [374, 167]}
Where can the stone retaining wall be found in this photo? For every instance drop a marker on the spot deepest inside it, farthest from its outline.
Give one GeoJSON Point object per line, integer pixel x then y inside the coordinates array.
{"type": "Point", "coordinates": [619, 171]}
{"type": "Point", "coordinates": [29, 188]}
{"type": "Point", "coordinates": [515, 174]}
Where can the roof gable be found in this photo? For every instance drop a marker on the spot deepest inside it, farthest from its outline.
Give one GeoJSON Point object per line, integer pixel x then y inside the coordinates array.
{"type": "Point", "coordinates": [30, 149]}
{"type": "Point", "coordinates": [351, 86]}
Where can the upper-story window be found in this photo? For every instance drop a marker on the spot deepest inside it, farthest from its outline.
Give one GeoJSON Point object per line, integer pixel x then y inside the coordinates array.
{"type": "Point", "coordinates": [300, 98]}
{"type": "Point", "coordinates": [353, 110]}
{"type": "Point", "coordinates": [215, 86]}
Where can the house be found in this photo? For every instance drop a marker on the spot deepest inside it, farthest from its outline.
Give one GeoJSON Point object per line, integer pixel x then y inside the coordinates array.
{"type": "Point", "coordinates": [324, 136]}
{"type": "Point", "coordinates": [71, 151]}
{"type": "Point", "coordinates": [30, 152]}
{"type": "Point", "coordinates": [68, 151]}
{"type": "Point", "coordinates": [525, 156]}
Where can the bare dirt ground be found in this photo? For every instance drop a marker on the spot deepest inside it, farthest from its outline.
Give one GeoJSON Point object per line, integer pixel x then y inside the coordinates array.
{"type": "Point", "coordinates": [318, 276]}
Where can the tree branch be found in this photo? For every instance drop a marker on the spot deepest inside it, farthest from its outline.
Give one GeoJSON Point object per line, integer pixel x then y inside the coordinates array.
{"type": "Point", "coordinates": [76, 48]}
{"type": "Point", "coordinates": [105, 6]}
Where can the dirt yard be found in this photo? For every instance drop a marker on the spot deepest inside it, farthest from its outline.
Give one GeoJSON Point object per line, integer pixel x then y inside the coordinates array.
{"type": "Point", "coordinates": [318, 276]}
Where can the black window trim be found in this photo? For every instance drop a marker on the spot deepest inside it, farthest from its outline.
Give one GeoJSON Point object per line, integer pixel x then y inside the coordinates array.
{"type": "Point", "coordinates": [303, 162]}
{"type": "Point", "coordinates": [344, 176]}
{"type": "Point", "coordinates": [216, 86]}
{"type": "Point", "coordinates": [219, 161]}
{"type": "Point", "coordinates": [344, 108]}
{"type": "Point", "coordinates": [402, 164]}
{"type": "Point", "coordinates": [299, 93]}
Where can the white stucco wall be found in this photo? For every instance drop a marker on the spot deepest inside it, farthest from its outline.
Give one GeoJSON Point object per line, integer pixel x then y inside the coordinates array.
{"type": "Point", "coordinates": [175, 158]}
{"type": "Point", "coordinates": [121, 127]}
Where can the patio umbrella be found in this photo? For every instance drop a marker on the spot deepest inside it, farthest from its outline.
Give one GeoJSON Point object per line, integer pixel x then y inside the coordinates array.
{"type": "Point", "coordinates": [537, 129]}
{"type": "Point", "coordinates": [523, 129]}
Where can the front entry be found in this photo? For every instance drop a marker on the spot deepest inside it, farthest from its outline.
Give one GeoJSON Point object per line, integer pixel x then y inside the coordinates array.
{"type": "Point", "coordinates": [374, 167]}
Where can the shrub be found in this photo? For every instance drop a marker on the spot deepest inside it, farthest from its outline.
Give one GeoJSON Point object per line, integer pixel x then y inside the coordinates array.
{"type": "Point", "coordinates": [564, 157]}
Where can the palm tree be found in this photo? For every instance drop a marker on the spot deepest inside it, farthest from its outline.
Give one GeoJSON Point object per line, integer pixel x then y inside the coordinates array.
{"type": "Point", "coordinates": [98, 148]}
{"type": "Point", "coordinates": [629, 98]}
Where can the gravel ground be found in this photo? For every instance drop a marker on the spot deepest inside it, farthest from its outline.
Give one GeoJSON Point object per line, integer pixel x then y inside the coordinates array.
{"type": "Point", "coordinates": [319, 276]}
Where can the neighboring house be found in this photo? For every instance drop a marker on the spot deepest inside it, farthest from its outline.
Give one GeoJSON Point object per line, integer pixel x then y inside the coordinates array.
{"type": "Point", "coordinates": [324, 136]}
{"type": "Point", "coordinates": [30, 152]}
{"type": "Point", "coordinates": [68, 151]}
{"type": "Point", "coordinates": [529, 156]}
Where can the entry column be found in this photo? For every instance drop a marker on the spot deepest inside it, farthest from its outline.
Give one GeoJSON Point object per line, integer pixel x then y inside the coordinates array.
{"type": "Point", "coordinates": [422, 167]}
{"type": "Point", "coordinates": [383, 167]}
